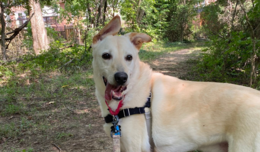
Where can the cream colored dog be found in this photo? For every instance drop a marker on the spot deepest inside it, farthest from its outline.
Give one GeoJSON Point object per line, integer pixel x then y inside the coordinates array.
{"type": "Point", "coordinates": [185, 115]}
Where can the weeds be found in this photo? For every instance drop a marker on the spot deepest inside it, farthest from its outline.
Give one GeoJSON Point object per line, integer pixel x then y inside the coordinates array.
{"type": "Point", "coordinates": [63, 135]}
{"type": "Point", "coordinates": [11, 109]}
{"type": "Point", "coordinates": [25, 150]}
{"type": "Point", "coordinates": [9, 130]}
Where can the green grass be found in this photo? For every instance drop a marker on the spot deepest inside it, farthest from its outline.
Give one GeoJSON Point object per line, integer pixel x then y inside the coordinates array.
{"type": "Point", "coordinates": [11, 109]}
{"type": "Point", "coordinates": [28, 108]}
{"type": "Point", "coordinates": [63, 135]}
{"type": "Point", "coordinates": [9, 130]}
{"type": "Point", "coordinates": [25, 150]}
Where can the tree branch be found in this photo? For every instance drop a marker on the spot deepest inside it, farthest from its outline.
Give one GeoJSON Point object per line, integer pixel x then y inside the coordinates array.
{"type": "Point", "coordinates": [256, 27]}
{"type": "Point", "coordinates": [247, 19]}
{"type": "Point", "coordinates": [253, 3]}
{"type": "Point", "coordinates": [17, 31]}
{"type": "Point", "coordinates": [233, 17]}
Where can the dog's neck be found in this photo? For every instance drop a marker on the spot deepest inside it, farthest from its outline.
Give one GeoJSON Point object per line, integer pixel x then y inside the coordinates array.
{"type": "Point", "coordinates": [138, 89]}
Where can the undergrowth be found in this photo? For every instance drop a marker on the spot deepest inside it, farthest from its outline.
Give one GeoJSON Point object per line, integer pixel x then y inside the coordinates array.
{"type": "Point", "coordinates": [226, 62]}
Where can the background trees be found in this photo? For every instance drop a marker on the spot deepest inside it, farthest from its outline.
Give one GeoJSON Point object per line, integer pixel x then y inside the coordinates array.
{"type": "Point", "coordinates": [233, 30]}
{"type": "Point", "coordinates": [230, 27]}
{"type": "Point", "coordinates": [40, 40]}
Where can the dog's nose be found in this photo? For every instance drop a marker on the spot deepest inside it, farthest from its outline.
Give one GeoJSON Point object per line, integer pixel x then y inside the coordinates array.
{"type": "Point", "coordinates": [121, 78]}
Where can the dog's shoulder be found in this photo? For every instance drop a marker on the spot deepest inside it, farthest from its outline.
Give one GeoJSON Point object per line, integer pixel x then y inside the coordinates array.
{"type": "Point", "coordinates": [161, 82]}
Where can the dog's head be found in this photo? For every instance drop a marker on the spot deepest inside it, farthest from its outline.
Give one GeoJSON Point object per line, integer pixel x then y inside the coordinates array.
{"type": "Point", "coordinates": [115, 57]}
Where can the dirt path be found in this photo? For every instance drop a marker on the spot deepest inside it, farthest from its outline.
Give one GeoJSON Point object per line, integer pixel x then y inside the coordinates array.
{"type": "Point", "coordinates": [175, 63]}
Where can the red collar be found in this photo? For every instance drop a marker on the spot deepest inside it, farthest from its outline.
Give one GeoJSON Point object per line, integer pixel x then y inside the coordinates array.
{"type": "Point", "coordinates": [120, 104]}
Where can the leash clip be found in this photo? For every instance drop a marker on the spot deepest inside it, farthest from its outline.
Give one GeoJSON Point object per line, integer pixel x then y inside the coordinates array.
{"type": "Point", "coordinates": [115, 129]}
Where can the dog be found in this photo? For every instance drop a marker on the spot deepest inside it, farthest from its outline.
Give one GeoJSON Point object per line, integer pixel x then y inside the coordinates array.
{"type": "Point", "coordinates": [186, 115]}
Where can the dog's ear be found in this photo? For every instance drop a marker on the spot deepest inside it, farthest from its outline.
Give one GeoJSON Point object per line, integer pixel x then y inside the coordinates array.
{"type": "Point", "coordinates": [112, 28]}
{"type": "Point", "coordinates": [139, 38]}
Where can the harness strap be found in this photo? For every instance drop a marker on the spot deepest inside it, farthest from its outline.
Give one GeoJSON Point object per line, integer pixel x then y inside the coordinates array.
{"type": "Point", "coordinates": [148, 119]}
{"type": "Point", "coordinates": [130, 111]}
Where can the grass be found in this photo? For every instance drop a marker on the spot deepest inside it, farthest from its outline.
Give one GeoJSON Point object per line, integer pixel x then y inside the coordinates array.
{"type": "Point", "coordinates": [42, 108]}
{"type": "Point", "coordinates": [49, 105]}
{"type": "Point", "coordinates": [25, 150]}
{"type": "Point", "coordinates": [9, 130]}
{"type": "Point", "coordinates": [11, 109]}
{"type": "Point", "coordinates": [63, 135]}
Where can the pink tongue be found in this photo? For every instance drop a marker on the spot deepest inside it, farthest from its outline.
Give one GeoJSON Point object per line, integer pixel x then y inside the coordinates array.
{"type": "Point", "coordinates": [108, 93]}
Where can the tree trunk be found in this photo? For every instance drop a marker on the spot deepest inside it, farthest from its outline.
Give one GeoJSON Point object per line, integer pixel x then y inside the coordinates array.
{"type": "Point", "coordinates": [99, 12]}
{"type": "Point", "coordinates": [114, 5]}
{"type": "Point", "coordinates": [233, 17]}
{"type": "Point", "coordinates": [104, 13]}
{"type": "Point", "coordinates": [113, 8]}
{"type": "Point", "coordinates": [253, 65]}
{"type": "Point", "coordinates": [40, 39]}
{"type": "Point", "coordinates": [3, 31]}
{"type": "Point", "coordinates": [254, 53]}
{"type": "Point", "coordinates": [89, 14]}
{"type": "Point", "coordinates": [139, 12]}
{"type": "Point", "coordinates": [140, 16]}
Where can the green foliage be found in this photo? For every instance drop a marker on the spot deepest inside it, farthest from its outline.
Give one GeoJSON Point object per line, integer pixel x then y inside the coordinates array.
{"type": "Point", "coordinates": [163, 20]}
{"type": "Point", "coordinates": [228, 57]}
{"type": "Point", "coordinates": [56, 58]}
{"type": "Point", "coordinates": [28, 40]}
{"type": "Point", "coordinates": [224, 59]}
{"type": "Point", "coordinates": [53, 34]}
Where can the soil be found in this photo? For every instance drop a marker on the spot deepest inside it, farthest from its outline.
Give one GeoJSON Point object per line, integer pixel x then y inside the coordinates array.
{"type": "Point", "coordinates": [78, 125]}
{"type": "Point", "coordinates": [175, 63]}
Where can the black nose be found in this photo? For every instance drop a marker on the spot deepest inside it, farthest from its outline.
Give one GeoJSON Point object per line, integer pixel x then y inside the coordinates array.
{"type": "Point", "coordinates": [121, 78]}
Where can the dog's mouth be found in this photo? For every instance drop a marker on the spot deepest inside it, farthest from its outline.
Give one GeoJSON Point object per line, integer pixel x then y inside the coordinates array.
{"type": "Point", "coordinates": [114, 92]}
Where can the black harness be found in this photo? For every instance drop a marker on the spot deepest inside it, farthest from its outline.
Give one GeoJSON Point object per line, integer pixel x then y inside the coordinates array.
{"type": "Point", "coordinates": [129, 111]}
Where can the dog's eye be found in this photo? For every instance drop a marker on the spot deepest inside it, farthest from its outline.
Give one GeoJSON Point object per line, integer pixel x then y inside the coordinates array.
{"type": "Point", "coordinates": [129, 57]}
{"type": "Point", "coordinates": [106, 56]}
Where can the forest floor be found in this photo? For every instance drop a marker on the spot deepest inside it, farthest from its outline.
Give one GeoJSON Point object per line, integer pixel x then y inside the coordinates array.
{"type": "Point", "coordinates": [59, 112]}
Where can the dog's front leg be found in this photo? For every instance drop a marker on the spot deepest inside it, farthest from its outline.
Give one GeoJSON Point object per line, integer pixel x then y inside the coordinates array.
{"type": "Point", "coordinates": [134, 136]}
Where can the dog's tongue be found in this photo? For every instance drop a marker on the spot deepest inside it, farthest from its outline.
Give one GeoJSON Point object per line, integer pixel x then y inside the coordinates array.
{"type": "Point", "coordinates": [108, 93]}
